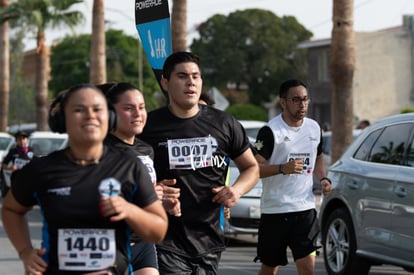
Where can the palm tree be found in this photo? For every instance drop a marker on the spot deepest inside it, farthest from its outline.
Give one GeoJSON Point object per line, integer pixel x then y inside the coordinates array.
{"type": "Point", "coordinates": [36, 16]}
{"type": "Point", "coordinates": [342, 66]}
{"type": "Point", "coordinates": [97, 69]}
{"type": "Point", "coordinates": [4, 71]}
{"type": "Point", "coordinates": [179, 25]}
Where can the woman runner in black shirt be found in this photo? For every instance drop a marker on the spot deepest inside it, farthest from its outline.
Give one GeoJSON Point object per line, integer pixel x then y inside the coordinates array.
{"type": "Point", "coordinates": [129, 105]}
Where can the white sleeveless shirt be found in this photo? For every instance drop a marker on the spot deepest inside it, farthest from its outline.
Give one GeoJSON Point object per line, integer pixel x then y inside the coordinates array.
{"type": "Point", "coordinates": [293, 192]}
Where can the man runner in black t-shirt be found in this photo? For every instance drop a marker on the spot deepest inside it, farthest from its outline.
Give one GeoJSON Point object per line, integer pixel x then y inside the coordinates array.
{"type": "Point", "coordinates": [193, 144]}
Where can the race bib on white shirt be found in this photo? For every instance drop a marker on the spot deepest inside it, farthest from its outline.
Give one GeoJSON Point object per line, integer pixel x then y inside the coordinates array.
{"type": "Point", "coordinates": [21, 162]}
{"type": "Point", "coordinates": [86, 249]}
{"type": "Point", "coordinates": [307, 163]}
{"type": "Point", "coordinates": [191, 153]}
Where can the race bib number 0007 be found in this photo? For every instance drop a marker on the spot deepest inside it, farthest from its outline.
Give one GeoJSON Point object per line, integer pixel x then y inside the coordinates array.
{"type": "Point", "coordinates": [191, 153]}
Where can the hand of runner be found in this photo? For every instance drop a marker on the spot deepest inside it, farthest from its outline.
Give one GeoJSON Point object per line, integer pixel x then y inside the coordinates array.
{"type": "Point", "coordinates": [293, 167]}
{"type": "Point", "coordinates": [33, 262]}
{"type": "Point", "coordinates": [225, 195]}
{"type": "Point", "coordinates": [170, 197]}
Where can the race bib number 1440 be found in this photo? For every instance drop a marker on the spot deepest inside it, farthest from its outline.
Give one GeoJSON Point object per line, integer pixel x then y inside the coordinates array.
{"type": "Point", "coordinates": [86, 249]}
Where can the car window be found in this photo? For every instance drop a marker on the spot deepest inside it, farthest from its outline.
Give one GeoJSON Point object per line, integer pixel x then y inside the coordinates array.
{"type": "Point", "coordinates": [410, 153]}
{"type": "Point", "coordinates": [364, 149]}
{"type": "Point", "coordinates": [392, 145]}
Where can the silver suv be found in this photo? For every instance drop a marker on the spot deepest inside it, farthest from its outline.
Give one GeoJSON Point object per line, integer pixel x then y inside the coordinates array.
{"type": "Point", "coordinates": [368, 219]}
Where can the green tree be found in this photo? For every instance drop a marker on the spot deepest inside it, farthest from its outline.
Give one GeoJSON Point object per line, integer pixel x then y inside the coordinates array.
{"type": "Point", "coordinates": [247, 112]}
{"type": "Point", "coordinates": [36, 16]}
{"type": "Point", "coordinates": [407, 110]}
{"type": "Point", "coordinates": [70, 63]}
{"type": "Point", "coordinates": [252, 47]}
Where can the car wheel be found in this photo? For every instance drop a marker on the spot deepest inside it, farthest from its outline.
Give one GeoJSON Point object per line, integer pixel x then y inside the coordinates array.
{"type": "Point", "coordinates": [339, 246]}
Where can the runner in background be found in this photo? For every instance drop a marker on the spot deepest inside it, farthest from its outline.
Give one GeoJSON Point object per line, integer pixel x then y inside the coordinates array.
{"type": "Point", "coordinates": [129, 105]}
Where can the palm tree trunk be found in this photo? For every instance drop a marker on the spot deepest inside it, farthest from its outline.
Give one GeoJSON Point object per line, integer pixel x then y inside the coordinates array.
{"type": "Point", "coordinates": [4, 72]}
{"type": "Point", "coordinates": [97, 69]}
{"type": "Point", "coordinates": [179, 25]}
{"type": "Point", "coordinates": [342, 72]}
{"type": "Point", "coordinates": [42, 78]}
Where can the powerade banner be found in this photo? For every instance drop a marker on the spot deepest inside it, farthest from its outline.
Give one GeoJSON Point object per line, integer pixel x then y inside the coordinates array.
{"type": "Point", "coordinates": [152, 18]}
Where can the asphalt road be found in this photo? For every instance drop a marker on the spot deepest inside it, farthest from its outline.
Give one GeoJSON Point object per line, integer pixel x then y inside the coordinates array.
{"type": "Point", "coordinates": [240, 252]}
{"type": "Point", "coordinates": [236, 260]}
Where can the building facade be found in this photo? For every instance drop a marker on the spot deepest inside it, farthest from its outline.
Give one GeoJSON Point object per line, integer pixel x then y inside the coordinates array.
{"type": "Point", "coordinates": [383, 77]}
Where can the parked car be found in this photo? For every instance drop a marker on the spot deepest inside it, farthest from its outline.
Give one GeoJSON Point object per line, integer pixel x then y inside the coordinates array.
{"type": "Point", "coordinates": [368, 219]}
{"type": "Point", "coordinates": [44, 143]}
{"type": "Point", "coordinates": [326, 150]}
{"type": "Point", "coordinates": [7, 141]}
{"type": "Point", "coordinates": [245, 215]}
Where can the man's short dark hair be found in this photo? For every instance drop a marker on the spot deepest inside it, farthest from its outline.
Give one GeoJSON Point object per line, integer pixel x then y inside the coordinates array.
{"type": "Point", "coordinates": [285, 86]}
{"type": "Point", "coordinates": [178, 58]}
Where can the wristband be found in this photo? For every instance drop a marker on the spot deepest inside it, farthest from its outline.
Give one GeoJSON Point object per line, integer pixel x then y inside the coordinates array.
{"type": "Point", "coordinates": [325, 178]}
{"type": "Point", "coordinates": [281, 169]}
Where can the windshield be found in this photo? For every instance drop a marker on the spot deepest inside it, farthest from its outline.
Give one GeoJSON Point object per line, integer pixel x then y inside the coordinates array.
{"type": "Point", "coordinates": [44, 146]}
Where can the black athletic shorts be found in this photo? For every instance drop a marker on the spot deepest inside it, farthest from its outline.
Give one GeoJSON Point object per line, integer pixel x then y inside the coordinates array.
{"type": "Point", "coordinates": [143, 255]}
{"type": "Point", "coordinates": [296, 230]}
{"type": "Point", "coordinates": [171, 264]}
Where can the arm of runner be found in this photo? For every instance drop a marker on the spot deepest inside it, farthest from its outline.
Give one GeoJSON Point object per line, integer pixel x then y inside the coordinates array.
{"type": "Point", "coordinates": [17, 229]}
{"type": "Point", "coordinates": [320, 172]}
{"type": "Point", "coordinates": [150, 223]}
{"type": "Point", "coordinates": [267, 170]}
{"type": "Point", "coordinates": [249, 175]}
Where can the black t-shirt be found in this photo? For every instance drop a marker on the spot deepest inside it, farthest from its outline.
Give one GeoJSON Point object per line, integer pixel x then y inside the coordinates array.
{"type": "Point", "coordinates": [196, 152]}
{"type": "Point", "coordinates": [69, 195]}
{"type": "Point", "coordinates": [140, 150]}
{"type": "Point", "coordinates": [18, 157]}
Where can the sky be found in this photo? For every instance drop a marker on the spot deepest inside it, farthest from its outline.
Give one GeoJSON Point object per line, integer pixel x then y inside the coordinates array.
{"type": "Point", "coordinates": [315, 15]}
